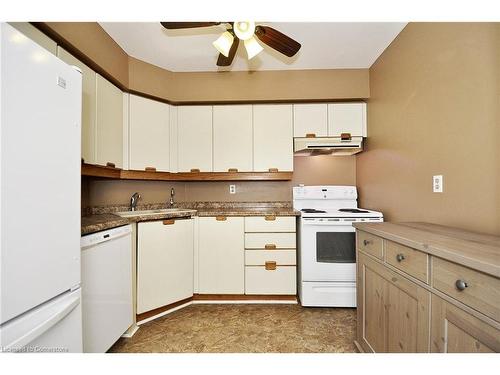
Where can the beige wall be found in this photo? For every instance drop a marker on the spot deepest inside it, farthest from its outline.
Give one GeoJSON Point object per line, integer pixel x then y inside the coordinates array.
{"type": "Point", "coordinates": [434, 109]}
{"type": "Point", "coordinates": [89, 42]}
{"type": "Point", "coordinates": [314, 170]}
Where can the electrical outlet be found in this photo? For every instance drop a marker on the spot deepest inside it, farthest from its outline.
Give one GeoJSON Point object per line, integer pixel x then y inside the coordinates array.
{"type": "Point", "coordinates": [437, 184]}
{"type": "Point", "coordinates": [232, 189]}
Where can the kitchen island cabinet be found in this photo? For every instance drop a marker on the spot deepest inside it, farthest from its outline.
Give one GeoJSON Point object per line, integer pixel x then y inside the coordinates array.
{"type": "Point", "coordinates": [427, 288]}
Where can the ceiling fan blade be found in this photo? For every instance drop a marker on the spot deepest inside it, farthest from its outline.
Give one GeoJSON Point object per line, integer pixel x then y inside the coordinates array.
{"type": "Point", "coordinates": [226, 61]}
{"type": "Point", "coordinates": [279, 41]}
{"type": "Point", "coordinates": [187, 25]}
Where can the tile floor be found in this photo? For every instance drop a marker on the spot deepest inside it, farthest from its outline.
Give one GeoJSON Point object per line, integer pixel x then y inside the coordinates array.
{"type": "Point", "coordinates": [246, 329]}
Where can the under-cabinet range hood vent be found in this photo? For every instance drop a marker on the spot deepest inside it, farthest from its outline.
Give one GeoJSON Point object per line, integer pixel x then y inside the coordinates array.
{"type": "Point", "coordinates": [328, 146]}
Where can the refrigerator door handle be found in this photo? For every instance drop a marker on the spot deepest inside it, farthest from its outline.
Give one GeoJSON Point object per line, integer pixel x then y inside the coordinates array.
{"type": "Point", "coordinates": [46, 324]}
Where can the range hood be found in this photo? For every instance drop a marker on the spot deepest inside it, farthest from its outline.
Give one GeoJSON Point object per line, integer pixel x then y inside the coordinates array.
{"type": "Point", "coordinates": [328, 146]}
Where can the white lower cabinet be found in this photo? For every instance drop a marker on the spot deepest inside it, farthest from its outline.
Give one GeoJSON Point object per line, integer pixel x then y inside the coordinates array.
{"type": "Point", "coordinates": [221, 258]}
{"type": "Point", "coordinates": [165, 251]}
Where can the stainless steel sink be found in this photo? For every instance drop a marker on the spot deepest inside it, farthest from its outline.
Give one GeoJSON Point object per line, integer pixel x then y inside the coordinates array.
{"type": "Point", "coordinates": [148, 212]}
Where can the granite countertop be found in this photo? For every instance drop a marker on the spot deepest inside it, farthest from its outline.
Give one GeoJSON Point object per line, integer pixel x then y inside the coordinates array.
{"type": "Point", "coordinates": [480, 252]}
{"type": "Point", "coordinates": [101, 218]}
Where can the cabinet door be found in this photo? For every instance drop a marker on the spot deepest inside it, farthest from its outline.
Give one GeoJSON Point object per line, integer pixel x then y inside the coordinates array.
{"type": "Point", "coordinates": [232, 138]}
{"type": "Point", "coordinates": [109, 123]}
{"type": "Point", "coordinates": [272, 137]}
{"type": "Point", "coordinates": [221, 256]}
{"type": "Point", "coordinates": [194, 134]}
{"type": "Point", "coordinates": [455, 331]}
{"type": "Point", "coordinates": [164, 263]}
{"type": "Point", "coordinates": [347, 118]}
{"type": "Point", "coordinates": [88, 105]}
{"type": "Point", "coordinates": [149, 134]}
{"type": "Point", "coordinates": [393, 312]}
{"type": "Point", "coordinates": [309, 119]}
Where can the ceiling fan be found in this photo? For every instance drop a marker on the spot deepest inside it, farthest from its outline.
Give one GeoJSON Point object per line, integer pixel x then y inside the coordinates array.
{"type": "Point", "coordinates": [228, 42]}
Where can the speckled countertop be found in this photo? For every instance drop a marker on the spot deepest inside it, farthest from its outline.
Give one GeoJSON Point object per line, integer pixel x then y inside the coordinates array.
{"type": "Point", "coordinates": [96, 219]}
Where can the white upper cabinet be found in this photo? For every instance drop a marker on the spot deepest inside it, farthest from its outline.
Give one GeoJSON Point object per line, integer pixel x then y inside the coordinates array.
{"type": "Point", "coordinates": [232, 138]}
{"type": "Point", "coordinates": [273, 137]}
{"type": "Point", "coordinates": [109, 123]}
{"type": "Point", "coordinates": [347, 118]}
{"type": "Point", "coordinates": [149, 134]}
{"type": "Point", "coordinates": [88, 105]}
{"type": "Point", "coordinates": [310, 119]}
{"type": "Point", "coordinates": [194, 135]}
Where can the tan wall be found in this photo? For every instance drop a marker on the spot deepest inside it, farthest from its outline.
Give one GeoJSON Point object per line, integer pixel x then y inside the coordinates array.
{"type": "Point", "coordinates": [89, 42]}
{"type": "Point", "coordinates": [434, 109]}
{"type": "Point", "coordinates": [315, 170]}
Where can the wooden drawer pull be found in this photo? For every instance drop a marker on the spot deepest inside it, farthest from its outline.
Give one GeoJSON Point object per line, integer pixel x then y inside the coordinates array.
{"type": "Point", "coordinates": [232, 170]}
{"type": "Point", "coordinates": [110, 165]}
{"type": "Point", "coordinates": [345, 137]}
{"type": "Point", "coordinates": [270, 246]}
{"type": "Point", "coordinates": [461, 284]}
{"type": "Point", "coordinates": [150, 169]}
{"type": "Point", "coordinates": [310, 135]}
{"type": "Point", "coordinates": [270, 266]}
{"type": "Point", "coordinates": [221, 218]}
{"type": "Point", "coordinates": [169, 222]}
{"type": "Point", "coordinates": [195, 170]}
{"type": "Point", "coordinates": [400, 257]}
{"type": "Point", "coordinates": [270, 217]}
{"type": "Point", "coordinates": [273, 170]}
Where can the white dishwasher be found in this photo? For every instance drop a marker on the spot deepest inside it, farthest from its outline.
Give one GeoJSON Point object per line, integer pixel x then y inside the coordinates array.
{"type": "Point", "coordinates": [106, 287]}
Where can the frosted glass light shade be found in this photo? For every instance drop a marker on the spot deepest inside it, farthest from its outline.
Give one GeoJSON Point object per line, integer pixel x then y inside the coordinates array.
{"type": "Point", "coordinates": [253, 47]}
{"type": "Point", "coordinates": [244, 30]}
{"type": "Point", "coordinates": [224, 42]}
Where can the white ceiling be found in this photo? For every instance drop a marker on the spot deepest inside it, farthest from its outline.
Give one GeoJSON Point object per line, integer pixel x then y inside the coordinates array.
{"type": "Point", "coordinates": [332, 45]}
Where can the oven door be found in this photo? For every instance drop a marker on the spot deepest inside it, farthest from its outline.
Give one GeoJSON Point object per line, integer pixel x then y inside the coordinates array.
{"type": "Point", "coordinates": [327, 250]}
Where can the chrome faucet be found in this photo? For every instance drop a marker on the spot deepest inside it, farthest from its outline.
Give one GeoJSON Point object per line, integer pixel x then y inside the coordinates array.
{"type": "Point", "coordinates": [133, 201]}
{"type": "Point", "coordinates": [172, 193]}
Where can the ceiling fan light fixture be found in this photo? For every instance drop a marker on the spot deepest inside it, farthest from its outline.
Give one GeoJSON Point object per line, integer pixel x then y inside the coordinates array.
{"type": "Point", "coordinates": [244, 30]}
{"type": "Point", "coordinates": [224, 42]}
{"type": "Point", "coordinates": [253, 47]}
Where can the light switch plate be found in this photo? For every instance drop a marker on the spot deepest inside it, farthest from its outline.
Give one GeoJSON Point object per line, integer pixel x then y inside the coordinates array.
{"type": "Point", "coordinates": [232, 189]}
{"type": "Point", "coordinates": [437, 183]}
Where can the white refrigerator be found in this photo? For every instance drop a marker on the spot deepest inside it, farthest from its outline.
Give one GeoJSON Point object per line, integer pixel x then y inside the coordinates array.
{"type": "Point", "coordinates": [40, 97]}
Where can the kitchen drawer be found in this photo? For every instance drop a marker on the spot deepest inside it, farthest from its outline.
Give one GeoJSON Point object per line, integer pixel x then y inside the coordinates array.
{"type": "Point", "coordinates": [270, 241]}
{"type": "Point", "coordinates": [260, 257]}
{"type": "Point", "coordinates": [282, 280]}
{"type": "Point", "coordinates": [370, 244]}
{"type": "Point", "coordinates": [413, 262]}
{"type": "Point", "coordinates": [270, 223]}
{"type": "Point", "coordinates": [482, 292]}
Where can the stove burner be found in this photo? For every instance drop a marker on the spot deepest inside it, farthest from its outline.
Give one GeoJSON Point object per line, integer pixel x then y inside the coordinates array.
{"type": "Point", "coordinates": [312, 211]}
{"type": "Point", "coordinates": [353, 210]}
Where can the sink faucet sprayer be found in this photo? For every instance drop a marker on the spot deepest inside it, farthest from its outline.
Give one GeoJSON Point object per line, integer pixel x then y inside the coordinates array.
{"type": "Point", "coordinates": [172, 193]}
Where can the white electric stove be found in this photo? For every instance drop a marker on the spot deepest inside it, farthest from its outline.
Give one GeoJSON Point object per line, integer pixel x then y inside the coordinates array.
{"type": "Point", "coordinates": [327, 244]}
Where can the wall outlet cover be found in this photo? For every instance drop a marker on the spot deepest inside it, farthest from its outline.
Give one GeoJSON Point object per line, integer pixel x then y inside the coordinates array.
{"type": "Point", "coordinates": [232, 189]}
{"type": "Point", "coordinates": [437, 184]}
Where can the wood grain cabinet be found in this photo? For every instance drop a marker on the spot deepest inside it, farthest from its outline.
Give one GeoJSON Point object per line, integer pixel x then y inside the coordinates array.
{"type": "Point", "coordinates": [411, 300]}
{"type": "Point", "coordinates": [109, 123]}
{"type": "Point", "coordinates": [232, 137]}
{"type": "Point", "coordinates": [194, 138]}
{"type": "Point", "coordinates": [165, 251]}
{"type": "Point", "coordinates": [347, 118]}
{"type": "Point", "coordinates": [149, 134]}
{"type": "Point", "coordinates": [310, 120]}
{"type": "Point", "coordinates": [88, 105]}
{"type": "Point", "coordinates": [393, 312]}
{"type": "Point", "coordinates": [272, 137]}
{"type": "Point", "coordinates": [221, 255]}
